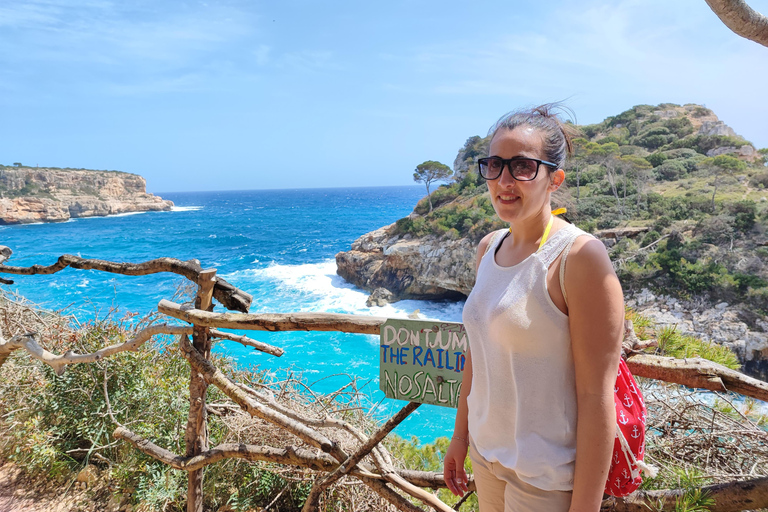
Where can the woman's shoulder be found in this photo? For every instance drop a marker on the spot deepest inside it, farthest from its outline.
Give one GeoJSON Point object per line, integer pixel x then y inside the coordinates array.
{"type": "Point", "coordinates": [589, 254]}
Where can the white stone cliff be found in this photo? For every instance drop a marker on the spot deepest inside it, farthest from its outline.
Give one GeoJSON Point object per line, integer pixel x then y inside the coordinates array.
{"type": "Point", "coordinates": [30, 195]}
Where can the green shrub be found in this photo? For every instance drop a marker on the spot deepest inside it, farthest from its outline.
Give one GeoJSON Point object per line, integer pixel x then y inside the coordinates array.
{"type": "Point", "coordinates": [704, 143]}
{"type": "Point", "coordinates": [744, 213]}
{"type": "Point", "coordinates": [658, 158]}
{"type": "Point", "coordinates": [679, 126]}
{"type": "Point", "coordinates": [681, 346]}
{"type": "Point", "coordinates": [759, 180]}
{"type": "Point", "coordinates": [671, 170]}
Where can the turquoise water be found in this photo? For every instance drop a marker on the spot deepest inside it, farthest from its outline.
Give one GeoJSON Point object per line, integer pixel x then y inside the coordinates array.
{"type": "Point", "coordinates": [277, 245]}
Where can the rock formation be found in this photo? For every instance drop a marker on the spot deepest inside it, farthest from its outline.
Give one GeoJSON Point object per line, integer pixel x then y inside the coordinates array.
{"type": "Point", "coordinates": [722, 324]}
{"type": "Point", "coordinates": [415, 268]}
{"type": "Point", "coordinates": [53, 195]}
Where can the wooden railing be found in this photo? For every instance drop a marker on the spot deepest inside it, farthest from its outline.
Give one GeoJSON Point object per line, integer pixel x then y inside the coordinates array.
{"type": "Point", "coordinates": [331, 462]}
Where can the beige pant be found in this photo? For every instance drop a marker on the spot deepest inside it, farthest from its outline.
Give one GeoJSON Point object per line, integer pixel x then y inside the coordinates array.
{"type": "Point", "coordinates": [500, 490]}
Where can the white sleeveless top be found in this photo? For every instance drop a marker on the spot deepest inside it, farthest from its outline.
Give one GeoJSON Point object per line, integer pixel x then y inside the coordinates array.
{"type": "Point", "coordinates": [522, 406]}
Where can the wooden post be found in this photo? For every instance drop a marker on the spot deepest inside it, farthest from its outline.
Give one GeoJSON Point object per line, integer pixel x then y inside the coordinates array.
{"type": "Point", "coordinates": [196, 436]}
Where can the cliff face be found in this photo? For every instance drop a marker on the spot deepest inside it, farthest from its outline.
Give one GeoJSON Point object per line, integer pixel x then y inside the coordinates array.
{"type": "Point", "coordinates": [54, 195]}
{"type": "Point", "coordinates": [396, 267]}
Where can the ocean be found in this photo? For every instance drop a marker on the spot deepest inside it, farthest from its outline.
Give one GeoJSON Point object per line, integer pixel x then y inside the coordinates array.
{"type": "Point", "coordinates": [278, 245]}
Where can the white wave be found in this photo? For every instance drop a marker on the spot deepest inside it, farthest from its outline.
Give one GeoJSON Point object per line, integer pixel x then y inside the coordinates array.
{"type": "Point", "coordinates": [83, 284]}
{"type": "Point", "coordinates": [186, 208]}
{"type": "Point", "coordinates": [112, 215]}
{"type": "Point", "coordinates": [126, 214]}
{"type": "Point", "coordinates": [330, 293]}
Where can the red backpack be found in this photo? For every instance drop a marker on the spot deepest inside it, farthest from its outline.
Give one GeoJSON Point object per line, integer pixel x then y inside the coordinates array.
{"type": "Point", "coordinates": [624, 476]}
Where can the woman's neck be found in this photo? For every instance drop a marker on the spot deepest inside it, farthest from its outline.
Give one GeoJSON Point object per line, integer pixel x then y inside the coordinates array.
{"type": "Point", "coordinates": [530, 230]}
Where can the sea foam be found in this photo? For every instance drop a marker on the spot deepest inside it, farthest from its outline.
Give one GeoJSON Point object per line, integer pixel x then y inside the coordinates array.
{"type": "Point", "coordinates": [316, 287]}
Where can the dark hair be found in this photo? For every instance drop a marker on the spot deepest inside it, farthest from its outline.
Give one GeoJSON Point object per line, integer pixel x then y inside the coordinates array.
{"type": "Point", "coordinates": [545, 118]}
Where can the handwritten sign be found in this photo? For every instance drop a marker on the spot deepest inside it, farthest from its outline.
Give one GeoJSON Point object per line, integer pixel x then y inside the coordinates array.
{"type": "Point", "coordinates": [422, 361]}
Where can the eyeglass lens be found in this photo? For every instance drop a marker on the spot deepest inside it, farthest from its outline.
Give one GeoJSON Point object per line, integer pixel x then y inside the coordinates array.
{"type": "Point", "coordinates": [521, 168]}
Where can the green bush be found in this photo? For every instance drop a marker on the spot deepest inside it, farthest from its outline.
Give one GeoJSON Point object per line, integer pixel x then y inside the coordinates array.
{"type": "Point", "coordinates": [744, 213]}
{"type": "Point", "coordinates": [658, 158]}
{"type": "Point", "coordinates": [682, 346]}
{"type": "Point", "coordinates": [704, 143]}
{"type": "Point", "coordinates": [680, 126]}
{"type": "Point", "coordinates": [671, 170]}
{"type": "Point", "coordinates": [759, 180]}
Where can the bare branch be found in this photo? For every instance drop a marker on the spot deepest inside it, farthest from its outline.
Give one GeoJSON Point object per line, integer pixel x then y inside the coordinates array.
{"type": "Point", "coordinates": [237, 395]}
{"type": "Point", "coordinates": [60, 362]}
{"type": "Point", "coordinates": [741, 19]}
{"type": "Point", "coordinates": [248, 342]}
{"type": "Point", "coordinates": [289, 455]}
{"type": "Point", "coordinates": [728, 496]}
{"type": "Point", "coordinates": [697, 373]}
{"type": "Point", "coordinates": [274, 321]}
{"type": "Point", "coordinates": [232, 298]}
{"type": "Point", "coordinates": [321, 484]}
{"type": "Point", "coordinates": [385, 492]}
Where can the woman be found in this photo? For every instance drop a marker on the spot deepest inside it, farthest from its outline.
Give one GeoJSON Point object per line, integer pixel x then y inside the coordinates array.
{"type": "Point", "coordinates": [536, 409]}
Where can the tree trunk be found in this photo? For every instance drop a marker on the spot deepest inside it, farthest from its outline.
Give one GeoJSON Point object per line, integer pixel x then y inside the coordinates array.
{"type": "Point", "coordinates": [429, 198]}
{"type": "Point", "coordinates": [196, 436]}
{"type": "Point", "coordinates": [741, 19]}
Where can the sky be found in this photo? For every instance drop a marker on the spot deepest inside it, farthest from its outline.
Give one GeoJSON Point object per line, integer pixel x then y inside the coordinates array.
{"type": "Point", "coordinates": [240, 95]}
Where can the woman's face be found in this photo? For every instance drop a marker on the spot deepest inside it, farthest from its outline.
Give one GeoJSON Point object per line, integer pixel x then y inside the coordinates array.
{"type": "Point", "coordinates": [519, 200]}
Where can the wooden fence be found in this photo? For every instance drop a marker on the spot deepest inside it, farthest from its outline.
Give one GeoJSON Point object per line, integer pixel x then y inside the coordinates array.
{"type": "Point", "coordinates": [329, 460]}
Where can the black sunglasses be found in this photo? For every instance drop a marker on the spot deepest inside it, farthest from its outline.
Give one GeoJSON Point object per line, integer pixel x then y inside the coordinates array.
{"type": "Point", "coordinates": [520, 167]}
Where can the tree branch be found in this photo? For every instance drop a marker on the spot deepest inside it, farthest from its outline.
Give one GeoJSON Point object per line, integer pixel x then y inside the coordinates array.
{"type": "Point", "coordinates": [741, 19]}
{"type": "Point", "coordinates": [214, 376]}
{"type": "Point", "coordinates": [60, 362]}
{"type": "Point", "coordinates": [697, 373]}
{"type": "Point", "coordinates": [230, 297]}
{"type": "Point", "coordinates": [311, 505]}
{"type": "Point", "coordinates": [248, 342]}
{"type": "Point", "coordinates": [274, 321]}
{"type": "Point", "coordinates": [728, 496]}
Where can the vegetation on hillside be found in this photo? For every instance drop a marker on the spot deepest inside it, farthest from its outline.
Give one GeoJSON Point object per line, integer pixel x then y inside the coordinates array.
{"type": "Point", "coordinates": [699, 189]}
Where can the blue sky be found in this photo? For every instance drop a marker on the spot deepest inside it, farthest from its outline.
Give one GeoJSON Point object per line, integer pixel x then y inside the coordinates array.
{"type": "Point", "coordinates": [295, 94]}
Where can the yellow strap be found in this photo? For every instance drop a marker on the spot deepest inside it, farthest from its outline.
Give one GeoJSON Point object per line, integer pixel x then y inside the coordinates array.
{"type": "Point", "coordinates": [544, 237]}
{"type": "Point", "coordinates": [546, 232]}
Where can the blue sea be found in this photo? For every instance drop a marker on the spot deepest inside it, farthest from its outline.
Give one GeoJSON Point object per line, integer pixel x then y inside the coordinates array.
{"type": "Point", "coordinates": [278, 245]}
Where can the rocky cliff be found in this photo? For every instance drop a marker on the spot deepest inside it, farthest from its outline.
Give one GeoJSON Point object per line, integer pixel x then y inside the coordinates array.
{"type": "Point", "coordinates": [396, 267]}
{"type": "Point", "coordinates": [53, 195]}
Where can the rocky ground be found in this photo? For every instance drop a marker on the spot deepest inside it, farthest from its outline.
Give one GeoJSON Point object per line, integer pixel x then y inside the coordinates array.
{"type": "Point", "coordinates": [733, 327]}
